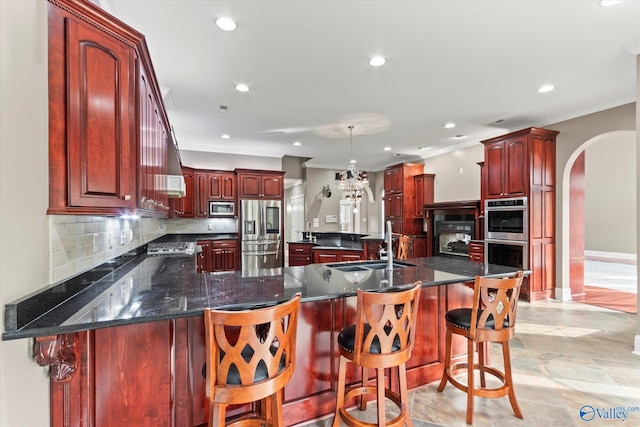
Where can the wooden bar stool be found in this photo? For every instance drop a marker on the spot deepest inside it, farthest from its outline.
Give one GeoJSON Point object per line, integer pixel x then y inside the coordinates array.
{"type": "Point", "coordinates": [491, 319]}
{"type": "Point", "coordinates": [403, 247]}
{"type": "Point", "coordinates": [382, 337]}
{"type": "Point", "coordinates": [250, 357]}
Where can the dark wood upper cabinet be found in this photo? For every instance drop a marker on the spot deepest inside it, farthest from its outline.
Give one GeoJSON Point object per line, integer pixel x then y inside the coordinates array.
{"type": "Point", "coordinates": [507, 168]}
{"type": "Point", "coordinates": [184, 207]}
{"type": "Point", "coordinates": [257, 184]}
{"type": "Point", "coordinates": [108, 129]}
{"type": "Point", "coordinates": [222, 185]}
{"type": "Point", "coordinates": [99, 139]}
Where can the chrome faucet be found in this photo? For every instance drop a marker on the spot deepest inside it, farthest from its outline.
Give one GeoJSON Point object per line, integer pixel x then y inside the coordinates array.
{"type": "Point", "coordinates": [310, 234]}
{"type": "Point", "coordinates": [389, 240]}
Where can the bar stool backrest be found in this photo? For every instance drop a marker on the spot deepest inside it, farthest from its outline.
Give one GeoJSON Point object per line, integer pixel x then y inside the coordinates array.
{"type": "Point", "coordinates": [403, 247]}
{"type": "Point", "coordinates": [495, 302]}
{"type": "Point", "coordinates": [251, 353]}
{"type": "Point", "coordinates": [385, 326]}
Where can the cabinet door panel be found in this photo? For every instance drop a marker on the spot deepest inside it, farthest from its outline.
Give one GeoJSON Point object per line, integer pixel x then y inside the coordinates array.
{"type": "Point", "coordinates": [272, 187]}
{"type": "Point", "coordinates": [250, 186]}
{"type": "Point", "coordinates": [493, 163]}
{"type": "Point", "coordinates": [516, 168]}
{"type": "Point", "coordinates": [202, 194]}
{"type": "Point", "coordinates": [100, 73]}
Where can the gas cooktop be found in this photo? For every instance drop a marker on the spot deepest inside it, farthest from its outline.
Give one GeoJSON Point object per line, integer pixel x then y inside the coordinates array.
{"type": "Point", "coordinates": [171, 248]}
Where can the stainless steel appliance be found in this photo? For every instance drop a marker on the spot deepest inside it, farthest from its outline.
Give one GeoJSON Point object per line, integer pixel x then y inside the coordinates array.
{"type": "Point", "coordinates": [261, 234]}
{"type": "Point", "coordinates": [506, 232]}
{"type": "Point", "coordinates": [512, 253]}
{"type": "Point", "coordinates": [222, 208]}
{"type": "Point", "coordinates": [506, 219]}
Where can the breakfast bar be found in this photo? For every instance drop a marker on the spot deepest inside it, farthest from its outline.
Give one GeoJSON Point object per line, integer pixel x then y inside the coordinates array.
{"type": "Point", "coordinates": [125, 341]}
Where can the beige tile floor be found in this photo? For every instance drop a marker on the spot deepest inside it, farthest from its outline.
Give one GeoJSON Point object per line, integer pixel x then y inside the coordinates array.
{"type": "Point", "coordinates": [565, 356]}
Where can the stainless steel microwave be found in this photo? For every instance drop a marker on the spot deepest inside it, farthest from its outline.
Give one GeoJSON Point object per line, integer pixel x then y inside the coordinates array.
{"type": "Point", "coordinates": [222, 208]}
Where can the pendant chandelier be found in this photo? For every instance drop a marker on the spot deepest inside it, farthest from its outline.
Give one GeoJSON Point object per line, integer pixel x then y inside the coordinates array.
{"type": "Point", "coordinates": [352, 182]}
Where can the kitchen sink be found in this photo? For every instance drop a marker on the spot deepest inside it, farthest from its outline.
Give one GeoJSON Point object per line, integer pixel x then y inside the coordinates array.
{"type": "Point", "coordinates": [367, 265]}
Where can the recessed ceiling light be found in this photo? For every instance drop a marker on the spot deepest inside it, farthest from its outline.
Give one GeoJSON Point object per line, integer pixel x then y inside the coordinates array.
{"type": "Point", "coordinates": [226, 24]}
{"type": "Point", "coordinates": [225, 136]}
{"type": "Point", "coordinates": [450, 125]}
{"type": "Point", "coordinates": [377, 61]}
{"type": "Point", "coordinates": [607, 3]}
{"type": "Point", "coordinates": [241, 87]}
{"type": "Point", "coordinates": [545, 88]}
{"type": "Point", "coordinates": [352, 161]}
{"type": "Point", "coordinates": [297, 143]}
{"type": "Point", "coordinates": [387, 148]}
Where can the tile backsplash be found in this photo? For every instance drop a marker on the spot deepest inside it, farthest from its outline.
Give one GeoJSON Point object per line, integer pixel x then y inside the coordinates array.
{"type": "Point", "coordinates": [79, 243]}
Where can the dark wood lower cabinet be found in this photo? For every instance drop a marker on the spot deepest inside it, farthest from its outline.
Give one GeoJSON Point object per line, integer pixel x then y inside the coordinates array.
{"type": "Point", "coordinates": [150, 374]}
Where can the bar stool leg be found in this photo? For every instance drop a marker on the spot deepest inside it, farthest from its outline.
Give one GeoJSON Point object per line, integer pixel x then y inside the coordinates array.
{"type": "Point", "coordinates": [381, 403]}
{"type": "Point", "coordinates": [217, 414]}
{"type": "Point", "coordinates": [404, 393]}
{"type": "Point", "coordinates": [482, 348]}
{"type": "Point", "coordinates": [342, 371]}
{"type": "Point", "coordinates": [470, 386]}
{"type": "Point", "coordinates": [447, 361]}
{"type": "Point", "coordinates": [506, 355]}
{"type": "Point", "coordinates": [365, 381]}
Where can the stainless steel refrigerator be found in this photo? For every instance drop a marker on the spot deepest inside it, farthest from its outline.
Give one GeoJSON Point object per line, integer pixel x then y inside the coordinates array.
{"type": "Point", "coordinates": [261, 234]}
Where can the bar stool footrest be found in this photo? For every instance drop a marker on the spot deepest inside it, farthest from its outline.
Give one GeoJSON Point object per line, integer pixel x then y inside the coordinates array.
{"type": "Point", "coordinates": [354, 392]}
{"type": "Point", "coordinates": [501, 391]}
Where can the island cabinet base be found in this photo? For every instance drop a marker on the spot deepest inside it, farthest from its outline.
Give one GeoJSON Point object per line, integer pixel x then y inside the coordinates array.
{"type": "Point", "coordinates": [150, 374]}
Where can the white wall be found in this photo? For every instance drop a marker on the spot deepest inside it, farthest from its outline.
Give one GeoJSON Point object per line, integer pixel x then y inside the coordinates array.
{"type": "Point", "coordinates": [24, 248]}
{"type": "Point", "coordinates": [610, 195]}
{"type": "Point", "coordinates": [228, 162]}
{"type": "Point", "coordinates": [457, 174]}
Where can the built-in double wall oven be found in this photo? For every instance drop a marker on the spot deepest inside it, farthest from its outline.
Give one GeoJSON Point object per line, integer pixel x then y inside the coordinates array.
{"type": "Point", "coordinates": [506, 232]}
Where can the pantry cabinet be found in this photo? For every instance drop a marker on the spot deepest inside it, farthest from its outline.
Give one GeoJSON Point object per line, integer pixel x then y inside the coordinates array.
{"type": "Point", "coordinates": [523, 164]}
{"type": "Point", "coordinates": [400, 197]}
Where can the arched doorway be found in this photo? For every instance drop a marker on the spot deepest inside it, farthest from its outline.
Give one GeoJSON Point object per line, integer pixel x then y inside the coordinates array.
{"type": "Point", "coordinates": [610, 210]}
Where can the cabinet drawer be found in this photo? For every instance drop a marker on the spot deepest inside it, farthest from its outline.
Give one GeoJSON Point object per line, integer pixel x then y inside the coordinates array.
{"type": "Point", "coordinates": [224, 244]}
{"type": "Point", "coordinates": [300, 249]}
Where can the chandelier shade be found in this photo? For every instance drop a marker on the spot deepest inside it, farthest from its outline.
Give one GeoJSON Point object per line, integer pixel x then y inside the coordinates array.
{"type": "Point", "coordinates": [351, 181]}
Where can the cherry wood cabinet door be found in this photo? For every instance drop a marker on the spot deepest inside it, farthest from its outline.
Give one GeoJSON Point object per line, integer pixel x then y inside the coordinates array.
{"type": "Point", "coordinates": [393, 178]}
{"type": "Point", "coordinates": [222, 186]}
{"type": "Point", "coordinates": [183, 207]}
{"type": "Point", "coordinates": [100, 140]}
{"type": "Point", "coordinates": [272, 187]}
{"type": "Point", "coordinates": [493, 164]}
{"type": "Point", "coordinates": [516, 167]}
{"type": "Point", "coordinates": [249, 186]}
{"type": "Point", "coordinates": [202, 194]}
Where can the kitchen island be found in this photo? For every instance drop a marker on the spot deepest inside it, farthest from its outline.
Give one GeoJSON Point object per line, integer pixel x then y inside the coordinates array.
{"type": "Point", "coordinates": [129, 349]}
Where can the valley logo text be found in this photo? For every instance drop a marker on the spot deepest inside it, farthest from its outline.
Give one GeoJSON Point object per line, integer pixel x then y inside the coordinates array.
{"type": "Point", "coordinates": [589, 413]}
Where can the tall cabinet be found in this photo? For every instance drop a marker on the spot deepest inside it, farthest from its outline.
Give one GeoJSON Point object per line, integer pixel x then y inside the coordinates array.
{"type": "Point", "coordinates": [400, 198]}
{"type": "Point", "coordinates": [523, 164]}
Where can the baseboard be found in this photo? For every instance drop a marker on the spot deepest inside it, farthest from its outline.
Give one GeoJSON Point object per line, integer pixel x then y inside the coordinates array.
{"type": "Point", "coordinates": [619, 257]}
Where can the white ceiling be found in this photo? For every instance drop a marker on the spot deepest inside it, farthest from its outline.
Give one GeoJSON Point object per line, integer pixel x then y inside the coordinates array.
{"type": "Point", "coordinates": [306, 62]}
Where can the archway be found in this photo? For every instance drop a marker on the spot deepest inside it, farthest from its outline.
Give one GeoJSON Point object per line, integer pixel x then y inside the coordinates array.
{"type": "Point", "coordinates": [569, 235]}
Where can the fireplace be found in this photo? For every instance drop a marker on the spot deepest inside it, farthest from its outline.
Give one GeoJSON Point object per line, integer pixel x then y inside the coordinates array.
{"type": "Point", "coordinates": [452, 237]}
{"type": "Point", "coordinates": [451, 226]}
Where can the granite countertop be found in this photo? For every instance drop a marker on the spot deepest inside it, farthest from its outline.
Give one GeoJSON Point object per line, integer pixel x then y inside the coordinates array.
{"type": "Point", "coordinates": [150, 288]}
